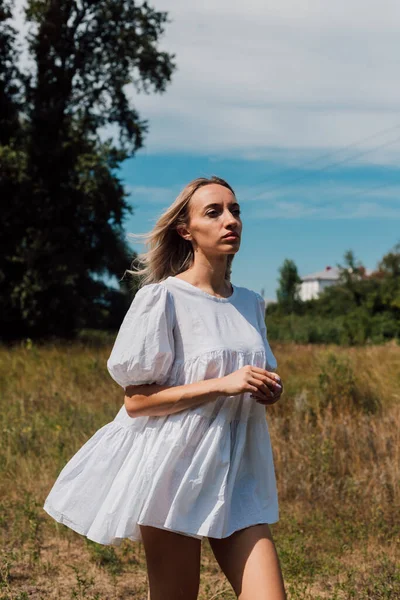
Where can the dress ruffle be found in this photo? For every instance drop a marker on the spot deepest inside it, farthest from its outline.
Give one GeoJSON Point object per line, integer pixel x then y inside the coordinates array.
{"type": "Point", "coordinates": [207, 471]}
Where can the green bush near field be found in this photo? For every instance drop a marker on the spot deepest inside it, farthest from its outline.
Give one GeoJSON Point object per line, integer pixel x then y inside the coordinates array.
{"type": "Point", "coordinates": [355, 328]}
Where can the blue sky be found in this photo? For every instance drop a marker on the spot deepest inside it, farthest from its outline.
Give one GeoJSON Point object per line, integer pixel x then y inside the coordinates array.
{"type": "Point", "coordinates": [313, 224]}
{"type": "Point", "coordinates": [297, 105]}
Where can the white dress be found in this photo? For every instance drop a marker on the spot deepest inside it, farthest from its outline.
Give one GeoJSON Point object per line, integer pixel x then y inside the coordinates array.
{"type": "Point", "coordinates": [203, 471]}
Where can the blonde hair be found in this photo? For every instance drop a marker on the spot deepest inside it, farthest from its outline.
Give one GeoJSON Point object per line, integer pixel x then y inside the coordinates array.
{"type": "Point", "coordinates": [168, 252]}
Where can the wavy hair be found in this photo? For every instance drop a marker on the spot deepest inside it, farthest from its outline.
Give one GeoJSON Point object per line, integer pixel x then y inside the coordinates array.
{"type": "Point", "coordinates": [168, 253]}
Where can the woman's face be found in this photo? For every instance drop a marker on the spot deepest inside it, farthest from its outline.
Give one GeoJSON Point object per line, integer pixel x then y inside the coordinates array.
{"type": "Point", "coordinates": [214, 212]}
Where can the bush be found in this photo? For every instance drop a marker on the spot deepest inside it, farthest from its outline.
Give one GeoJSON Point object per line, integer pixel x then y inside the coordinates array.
{"type": "Point", "coordinates": [384, 327]}
{"type": "Point", "coordinates": [338, 388]}
{"type": "Point", "coordinates": [356, 328]}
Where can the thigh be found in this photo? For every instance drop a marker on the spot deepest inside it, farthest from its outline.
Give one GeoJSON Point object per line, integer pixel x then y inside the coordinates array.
{"type": "Point", "coordinates": [250, 562]}
{"type": "Point", "coordinates": [173, 564]}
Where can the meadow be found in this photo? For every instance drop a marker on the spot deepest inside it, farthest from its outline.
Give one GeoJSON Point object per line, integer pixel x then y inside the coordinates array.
{"type": "Point", "coordinates": [336, 442]}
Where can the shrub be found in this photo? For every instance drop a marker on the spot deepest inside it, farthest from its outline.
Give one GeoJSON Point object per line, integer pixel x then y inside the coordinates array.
{"type": "Point", "coordinates": [338, 388]}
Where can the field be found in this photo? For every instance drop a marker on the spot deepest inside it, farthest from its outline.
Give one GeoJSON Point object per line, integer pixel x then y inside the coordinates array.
{"type": "Point", "coordinates": [336, 441]}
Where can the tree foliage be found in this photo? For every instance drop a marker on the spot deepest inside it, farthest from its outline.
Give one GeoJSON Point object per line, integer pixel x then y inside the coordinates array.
{"type": "Point", "coordinates": [359, 309]}
{"type": "Point", "coordinates": [66, 204]}
{"type": "Point", "coordinates": [287, 293]}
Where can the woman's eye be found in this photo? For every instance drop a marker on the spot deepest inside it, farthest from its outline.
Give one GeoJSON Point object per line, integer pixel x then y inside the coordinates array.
{"type": "Point", "coordinates": [214, 212]}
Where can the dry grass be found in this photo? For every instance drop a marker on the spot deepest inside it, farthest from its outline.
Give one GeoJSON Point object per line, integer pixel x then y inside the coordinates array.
{"type": "Point", "coordinates": [335, 436]}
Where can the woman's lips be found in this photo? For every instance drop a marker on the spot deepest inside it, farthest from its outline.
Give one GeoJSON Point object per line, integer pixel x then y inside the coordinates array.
{"type": "Point", "coordinates": [231, 236]}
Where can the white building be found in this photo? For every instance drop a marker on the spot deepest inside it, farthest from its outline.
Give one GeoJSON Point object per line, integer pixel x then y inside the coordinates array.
{"type": "Point", "coordinates": [312, 285]}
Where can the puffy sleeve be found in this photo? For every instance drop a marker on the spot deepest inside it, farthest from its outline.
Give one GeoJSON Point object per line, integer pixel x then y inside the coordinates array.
{"type": "Point", "coordinates": [143, 350]}
{"type": "Point", "coordinates": [271, 360]}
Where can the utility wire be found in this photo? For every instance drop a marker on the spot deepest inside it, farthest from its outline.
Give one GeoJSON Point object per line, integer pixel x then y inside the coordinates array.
{"type": "Point", "coordinates": [326, 167]}
{"type": "Point", "coordinates": [363, 192]}
{"type": "Point", "coordinates": [332, 153]}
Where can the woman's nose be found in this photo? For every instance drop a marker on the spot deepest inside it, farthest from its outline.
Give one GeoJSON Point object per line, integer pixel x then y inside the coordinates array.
{"type": "Point", "coordinates": [231, 219]}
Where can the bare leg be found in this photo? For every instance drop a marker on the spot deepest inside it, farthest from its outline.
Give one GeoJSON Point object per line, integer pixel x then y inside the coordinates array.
{"type": "Point", "coordinates": [173, 564]}
{"type": "Point", "coordinates": [249, 560]}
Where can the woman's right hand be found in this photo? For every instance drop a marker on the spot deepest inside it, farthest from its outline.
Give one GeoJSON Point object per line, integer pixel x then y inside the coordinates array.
{"type": "Point", "coordinates": [259, 382]}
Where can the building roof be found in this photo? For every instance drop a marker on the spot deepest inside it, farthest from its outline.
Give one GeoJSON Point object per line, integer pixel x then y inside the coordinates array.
{"type": "Point", "coordinates": [329, 273]}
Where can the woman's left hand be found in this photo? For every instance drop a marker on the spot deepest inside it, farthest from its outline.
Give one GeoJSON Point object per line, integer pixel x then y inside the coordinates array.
{"type": "Point", "coordinates": [275, 396]}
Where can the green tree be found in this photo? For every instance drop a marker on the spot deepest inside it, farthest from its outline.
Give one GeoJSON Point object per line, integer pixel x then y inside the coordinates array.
{"type": "Point", "coordinates": [288, 291]}
{"type": "Point", "coordinates": [390, 263]}
{"type": "Point", "coordinates": [89, 56]}
{"type": "Point", "coordinates": [389, 267]}
{"type": "Point", "coordinates": [350, 274]}
{"type": "Point", "coordinates": [359, 309]}
{"type": "Point", "coordinates": [9, 76]}
{"type": "Point", "coordinates": [12, 162]}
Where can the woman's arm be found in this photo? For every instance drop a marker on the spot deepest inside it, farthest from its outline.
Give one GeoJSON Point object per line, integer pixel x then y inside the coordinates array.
{"type": "Point", "coordinates": [159, 400]}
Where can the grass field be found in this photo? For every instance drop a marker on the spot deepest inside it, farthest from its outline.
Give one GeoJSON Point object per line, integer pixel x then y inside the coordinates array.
{"type": "Point", "coordinates": [336, 442]}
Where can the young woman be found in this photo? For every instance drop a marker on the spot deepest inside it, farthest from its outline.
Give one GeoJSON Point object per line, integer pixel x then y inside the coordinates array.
{"type": "Point", "coordinates": [188, 455]}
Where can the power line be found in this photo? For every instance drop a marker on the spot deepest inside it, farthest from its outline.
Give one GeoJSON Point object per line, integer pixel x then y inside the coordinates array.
{"type": "Point", "coordinates": [329, 166]}
{"type": "Point", "coordinates": [334, 152]}
{"type": "Point", "coordinates": [362, 192]}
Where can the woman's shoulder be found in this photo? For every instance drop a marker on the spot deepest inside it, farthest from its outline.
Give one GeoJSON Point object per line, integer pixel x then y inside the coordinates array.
{"type": "Point", "coordinates": [247, 293]}
{"type": "Point", "coordinates": [151, 298]}
{"type": "Point", "coordinates": [155, 290]}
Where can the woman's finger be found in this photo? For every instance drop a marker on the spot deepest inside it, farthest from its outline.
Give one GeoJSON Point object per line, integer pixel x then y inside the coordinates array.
{"type": "Point", "coordinates": [262, 391]}
{"type": "Point", "coordinates": [267, 381]}
{"type": "Point", "coordinates": [267, 401]}
{"type": "Point", "coordinates": [264, 372]}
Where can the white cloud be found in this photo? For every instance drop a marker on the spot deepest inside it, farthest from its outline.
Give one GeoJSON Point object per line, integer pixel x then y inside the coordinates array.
{"type": "Point", "coordinates": [328, 190]}
{"type": "Point", "coordinates": [322, 200]}
{"type": "Point", "coordinates": [281, 209]}
{"type": "Point", "coordinates": [254, 76]}
{"type": "Point", "coordinates": [254, 79]}
{"type": "Point", "coordinates": [300, 210]}
{"type": "Point", "coordinates": [152, 194]}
